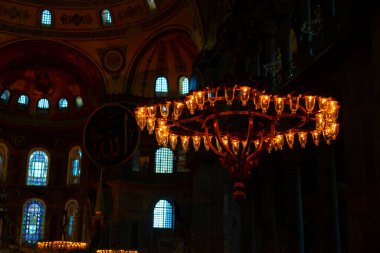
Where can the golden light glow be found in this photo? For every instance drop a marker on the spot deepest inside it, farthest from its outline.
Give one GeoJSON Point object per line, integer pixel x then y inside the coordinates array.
{"type": "Point", "coordinates": [279, 104]}
{"type": "Point", "coordinates": [236, 121]}
{"type": "Point", "coordinates": [293, 103]}
{"type": "Point", "coordinates": [212, 95]}
{"type": "Point", "coordinates": [244, 94]}
{"type": "Point", "coordinates": [196, 142]}
{"type": "Point", "coordinates": [229, 93]}
{"type": "Point", "coordinates": [309, 103]}
{"type": "Point", "coordinates": [62, 245]}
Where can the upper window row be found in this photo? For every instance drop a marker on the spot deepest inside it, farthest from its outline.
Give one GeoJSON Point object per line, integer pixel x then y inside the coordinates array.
{"type": "Point", "coordinates": [38, 166]}
{"type": "Point", "coordinates": [46, 18]}
{"type": "Point", "coordinates": [162, 87]}
{"type": "Point", "coordinates": [43, 103]}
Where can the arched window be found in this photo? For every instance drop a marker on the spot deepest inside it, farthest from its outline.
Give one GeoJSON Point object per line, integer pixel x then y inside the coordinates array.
{"type": "Point", "coordinates": [33, 221]}
{"type": "Point", "coordinates": [6, 95]}
{"type": "Point", "coordinates": [74, 166]}
{"type": "Point", "coordinates": [43, 103]}
{"type": "Point", "coordinates": [106, 17]}
{"type": "Point", "coordinates": [3, 161]}
{"type": "Point", "coordinates": [46, 18]}
{"type": "Point", "coordinates": [163, 215]}
{"type": "Point", "coordinates": [23, 100]}
{"type": "Point", "coordinates": [164, 160]}
{"type": "Point", "coordinates": [161, 89]}
{"type": "Point", "coordinates": [37, 168]}
{"type": "Point", "coordinates": [79, 102]}
{"type": "Point", "coordinates": [63, 103]}
{"type": "Point", "coordinates": [183, 85]}
{"type": "Point", "coordinates": [71, 210]}
{"type": "Point", "coordinates": [152, 5]}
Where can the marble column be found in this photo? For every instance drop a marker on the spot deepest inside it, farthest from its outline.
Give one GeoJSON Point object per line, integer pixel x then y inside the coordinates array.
{"type": "Point", "coordinates": [290, 208]}
{"type": "Point", "coordinates": [329, 213]}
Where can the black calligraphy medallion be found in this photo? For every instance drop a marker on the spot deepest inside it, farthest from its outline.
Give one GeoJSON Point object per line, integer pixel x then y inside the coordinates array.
{"type": "Point", "coordinates": [110, 135]}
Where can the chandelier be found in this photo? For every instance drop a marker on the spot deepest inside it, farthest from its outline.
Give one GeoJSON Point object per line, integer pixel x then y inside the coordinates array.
{"type": "Point", "coordinates": [238, 123]}
{"type": "Point", "coordinates": [62, 246]}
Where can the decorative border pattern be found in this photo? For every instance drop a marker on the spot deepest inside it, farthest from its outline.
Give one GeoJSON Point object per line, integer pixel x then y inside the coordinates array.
{"type": "Point", "coordinates": [72, 3]}
{"type": "Point", "coordinates": [101, 33]}
{"type": "Point", "coordinates": [76, 19]}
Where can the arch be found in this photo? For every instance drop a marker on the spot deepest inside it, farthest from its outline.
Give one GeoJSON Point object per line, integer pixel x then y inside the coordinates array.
{"type": "Point", "coordinates": [43, 103]}
{"type": "Point", "coordinates": [37, 54]}
{"type": "Point", "coordinates": [183, 85]}
{"type": "Point", "coordinates": [161, 88]}
{"type": "Point", "coordinates": [4, 157]}
{"type": "Point", "coordinates": [106, 17]}
{"type": "Point", "coordinates": [164, 161]}
{"type": "Point", "coordinates": [163, 215]}
{"type": "Point", "coordinates": [46, 18]}
{"type": "Point", "coordinates": [142, 70]}
{"type": "Point", "coordinates": [71, 211]}
{"type": "Point", "coordinates": [5, 96]}
{"type": "Point", "coordinates": [38, 167]}
{"type": "Point", "coordinates": [23, 100]}
{"type": "Point", "coordinates": [33, 221]}
{"type": "Point", "coordinates": [74, 165]}
{"type": "Point", "coordinates": [63, 103]}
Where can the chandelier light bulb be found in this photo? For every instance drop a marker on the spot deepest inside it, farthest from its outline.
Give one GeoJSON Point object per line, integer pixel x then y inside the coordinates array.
{"type": "Point", "coordinates": [319, 121]}
{"type": "Point", "coordinates": [323, 103]}
{"type": "Point", "coordinates": [177, 110]}
{"type": "Point", "coordinates": [229, 93]}
{"type": "Point", "coordinates": [279, 141]}
{"type": "Point", "coordinates": [279, 104]}
{"type": "Point", "coordinates": [265, 102]}
{"type": "Point", "coordinates": [315, 134]}
{"type": "Point", "coordinates": [309, 103]}
{"type": "Point", "coordinates": [196, 142]}
{"type": "Point", "coordinates": [150, 124]}
{"type": "Point", "coordinates": [302, 138]}
{"type": "Point", "coordinates": [293, 103]}
{"type": "Point", "coordinates": [290, 139]}
{"type": "Point", "coordinates": [152, 110]}
{"type": "Point", "coordinates": [235, 143]}
{"type": "Point", "coordinates": [212, 94]}
{"type": "Point", "coordinates": [140, 118]}
{"type": "Point", "coordinates": [191, 103]}
{"type": "Point", "coordinates": [173, 141]}
{"type": "Point", "coordinates": [257, 99]}
{"type": "Point", "coordinates": [205, 142]}
{"type": "Point", "coordinates": [185, 142]}
{"type": "Point", "coordinates": [164, 110]}
{"type": "Point", "coordinates": [200, 99]}
{"type": "Point", "coordinates": [244, 94]}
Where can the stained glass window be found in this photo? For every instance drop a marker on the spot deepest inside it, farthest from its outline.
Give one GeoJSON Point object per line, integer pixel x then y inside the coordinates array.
{"type": "Point", "coordinates": [46, 18]}
{"type": "Point", "coordinates": [23, 100]}
{"type": "Point", "coordinates": [152, 5]}
{"type": "Point", "coordinates": [161, 89]}
{"type": "Point", "coordinates": [163, 216]}
{"type": "Point", "coordinates": [33, 219]}
{"type": "Point", "coordinates": [71, 217]}
{"type": "Point", "coordinates": [183, 85]}
{"type": "Point", "coordinates": [43, 103]}
{"type": "Point", "coordinates": [74, 166]}
{"type": "Point", "coordinates": [164, 160]}
{"type": "Point", "coordinates": [79, 102]}
{"type": "Point", "coordinates": [6, 95]}
{"type": "Point", "coordinates": [106, 17]}
{"type": "Point", "coordinates": [38, 168]}
{"type": "Point", "coordinates": [62, 103]}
